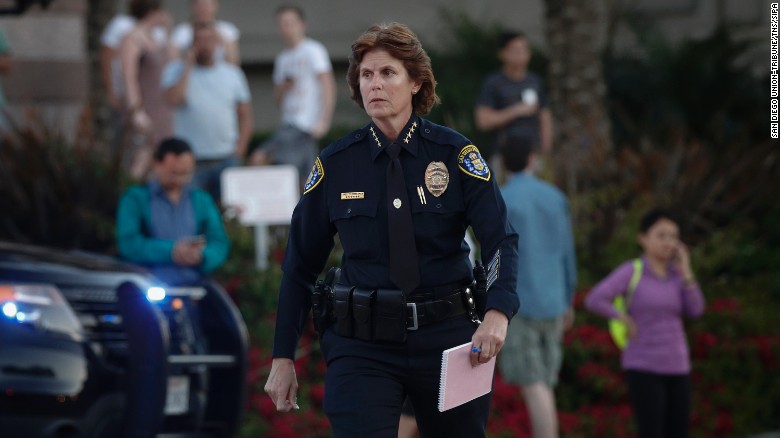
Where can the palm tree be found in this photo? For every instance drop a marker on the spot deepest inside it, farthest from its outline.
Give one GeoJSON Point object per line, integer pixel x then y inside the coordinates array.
{"type": "Point", "coordinates": [577, 88]}
{"type": "Point", "coordinates": [99, 12]}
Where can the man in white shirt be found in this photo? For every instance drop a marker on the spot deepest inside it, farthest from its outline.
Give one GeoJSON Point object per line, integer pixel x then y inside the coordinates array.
{"type": "Point", "coordinates": [213, 108]}
{"type": "Point", "coordinates": [305, 90]}
{"type": "Point", "coordinates": [205, 12]}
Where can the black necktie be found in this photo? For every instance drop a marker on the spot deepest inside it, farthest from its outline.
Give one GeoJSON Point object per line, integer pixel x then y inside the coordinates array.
{"type": "Point", "coordinates": [404, 268]}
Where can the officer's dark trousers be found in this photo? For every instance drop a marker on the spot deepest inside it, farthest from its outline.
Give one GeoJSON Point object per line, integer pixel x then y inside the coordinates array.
{"type": "Point", "coordinates": [366, 383]}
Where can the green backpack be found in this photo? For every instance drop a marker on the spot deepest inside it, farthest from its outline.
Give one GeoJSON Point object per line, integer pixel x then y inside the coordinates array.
{"type": "Point", "coordinates": [617, 328]}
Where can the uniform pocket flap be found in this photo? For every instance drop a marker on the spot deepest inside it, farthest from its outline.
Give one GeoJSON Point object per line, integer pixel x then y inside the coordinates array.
{"type": "Point", "coordinates": [352, 208]}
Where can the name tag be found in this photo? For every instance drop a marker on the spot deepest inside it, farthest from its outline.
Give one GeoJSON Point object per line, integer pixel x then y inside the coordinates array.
{"type": "Point", "coordinates": [353, 195]}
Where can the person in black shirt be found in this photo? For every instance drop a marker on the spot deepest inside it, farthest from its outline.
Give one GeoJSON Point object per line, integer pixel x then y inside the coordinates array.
{"type": "Point", "coordinates": [400, 192]}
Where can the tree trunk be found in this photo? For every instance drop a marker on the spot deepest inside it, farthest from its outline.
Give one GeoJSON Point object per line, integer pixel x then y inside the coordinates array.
{"type": "Point", "coordinates": [575, 30]}
{"type": "Point", "coordinates": [97, 116]}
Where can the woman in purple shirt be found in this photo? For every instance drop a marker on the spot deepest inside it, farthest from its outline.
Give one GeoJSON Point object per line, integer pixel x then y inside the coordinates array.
{"type": "Point", "coordinates": [656, 358]}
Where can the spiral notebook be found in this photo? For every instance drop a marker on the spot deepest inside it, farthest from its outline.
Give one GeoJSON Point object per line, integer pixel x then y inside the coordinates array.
{"type": "Point", "coordinates": [460, 382]}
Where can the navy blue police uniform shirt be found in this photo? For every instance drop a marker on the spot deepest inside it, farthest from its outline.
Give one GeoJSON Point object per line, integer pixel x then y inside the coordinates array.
{"type": "Point", "coordinates": [345, 194]}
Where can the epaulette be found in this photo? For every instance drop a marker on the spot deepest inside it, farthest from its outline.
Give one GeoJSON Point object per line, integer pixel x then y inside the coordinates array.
{"type": "Point", "coordinates": [317, 173]}
{"type": "Point", "coordinates": [344, 142]}
{"type": "Point", "coordinates": [442, 134]}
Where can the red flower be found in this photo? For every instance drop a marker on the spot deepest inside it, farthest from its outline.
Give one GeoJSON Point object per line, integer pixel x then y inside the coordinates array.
{"type": "Point", "coordinates": [277, 255]}
{"type": "Point", "coordinates": [601, 376]}
{"type": "Point", "coordinates": [282, 427]}
{"type": "Point", "coordinates": [317, 395]}
{"type": "Point", "coordinates": [506, 397]}
{"type": "Point", "coordinates": [724, 424]}
{"type": "Point", "coordinates": [728, 305]}
{"type": "Point", "coordinates": [703, 344]}
{"type": "Point", "coordinates": [302, 367]}
{"type": "Point", "coordinates": [231, 286]}
{"type": "Point", "coordinates": [568, 423]}
{"type": "Point", "coordinates": [579, 298]}
{"type": "Point", "coordinates": [767, 346]}
{"type": "Point", "coordinates": [264, 405]}
{"type": "Point", "coordinates": [591, 337]}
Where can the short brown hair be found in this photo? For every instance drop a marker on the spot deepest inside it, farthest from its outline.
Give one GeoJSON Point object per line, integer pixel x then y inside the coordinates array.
{"type": "Point", "coordinates": [291, 8]}
{"type": "Point", "coordinates": [141, 8]}
{"type": "Point", "coordinates": [401, 43]}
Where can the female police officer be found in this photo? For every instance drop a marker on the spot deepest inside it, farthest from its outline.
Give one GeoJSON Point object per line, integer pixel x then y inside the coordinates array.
{"type": "Point", "coordinates": [400, 192]}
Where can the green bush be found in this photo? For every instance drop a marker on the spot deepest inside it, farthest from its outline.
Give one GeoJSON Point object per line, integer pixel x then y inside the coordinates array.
{"type": "Point", "coordinates": [56, 193]}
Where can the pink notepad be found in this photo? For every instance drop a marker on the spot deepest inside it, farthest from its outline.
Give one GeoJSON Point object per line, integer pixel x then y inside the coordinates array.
{"type": "Point", "coordinates": [460, 382]}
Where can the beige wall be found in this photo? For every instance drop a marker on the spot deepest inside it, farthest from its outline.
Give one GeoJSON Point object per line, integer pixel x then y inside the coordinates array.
{"type": "Point", "coordinates": [50, 71]}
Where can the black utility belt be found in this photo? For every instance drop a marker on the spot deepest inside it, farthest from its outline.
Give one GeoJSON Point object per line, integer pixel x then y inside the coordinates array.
{"type": "Point", "coordinates": [385, 315]}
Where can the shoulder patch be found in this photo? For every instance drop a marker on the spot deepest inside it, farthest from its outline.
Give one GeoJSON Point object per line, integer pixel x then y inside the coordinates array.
{"type": "Point", "coordinates": [471, 163]}
{"type": "Point", "coordinates": [315, 176]}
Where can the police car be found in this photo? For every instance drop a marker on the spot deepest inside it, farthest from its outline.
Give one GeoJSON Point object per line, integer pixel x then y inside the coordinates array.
{"type": "Point", "coordinates": [91, 347]}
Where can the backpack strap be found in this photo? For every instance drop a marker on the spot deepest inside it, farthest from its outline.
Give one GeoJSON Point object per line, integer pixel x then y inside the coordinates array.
{"type": "Point", "coordinates": [634, 281]}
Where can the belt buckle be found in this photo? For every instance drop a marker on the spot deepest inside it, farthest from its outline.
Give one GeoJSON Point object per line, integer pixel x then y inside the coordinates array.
{"type": "Point", "coordinates": [413, 306]}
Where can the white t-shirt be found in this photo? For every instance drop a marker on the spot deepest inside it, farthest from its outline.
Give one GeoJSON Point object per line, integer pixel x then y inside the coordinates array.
{"type": "Point", "coordinates": [182, 36]}
{"type": "Point", "coordinates": [116, 30]}
{"type": "Point", "coordinates": [302, 105]}
{"type": "Point", "coordinates": [112, 37]}
{"type": "Point", "coordinates": [208, 119]}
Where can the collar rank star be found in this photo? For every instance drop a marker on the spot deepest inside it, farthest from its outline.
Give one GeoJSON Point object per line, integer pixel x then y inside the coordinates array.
{"type": "Point", "coordinates": [411, 131]}
{"type": "Point", "coordinates": [407, 137]}
{"type": "Point", "coordinates": [376, 139]}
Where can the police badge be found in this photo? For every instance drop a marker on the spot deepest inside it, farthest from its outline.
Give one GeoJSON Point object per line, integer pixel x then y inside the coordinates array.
{"type": "Point", "coordinates": [436, 178]}
{"type": "Point", "coordinates": [471, 163]}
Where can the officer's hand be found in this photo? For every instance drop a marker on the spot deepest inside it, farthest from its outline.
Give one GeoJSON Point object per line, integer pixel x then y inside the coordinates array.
{"type": "Point", "coordinates": [489, 337]}
{"type": "Point", "coordinates": [282, 385]}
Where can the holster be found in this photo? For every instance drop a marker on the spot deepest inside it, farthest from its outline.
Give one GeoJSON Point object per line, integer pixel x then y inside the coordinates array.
{"type": "Point", "coordinates": [362, 310]}
{"type": "Point", "coordinates": [480, 290]}
{"type": "Point", "coordinates": [322, 301]}
{"type": "Point", "coordinates": [391, 315]}
{"type": "Point", "coordinates": [342, 310]}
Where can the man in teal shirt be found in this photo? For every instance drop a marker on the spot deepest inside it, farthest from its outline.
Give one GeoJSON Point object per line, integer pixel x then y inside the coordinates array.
{"type": "Point", "coordinates": [168, 226]}
{"type": "Point", "coordinates": [546, 279]}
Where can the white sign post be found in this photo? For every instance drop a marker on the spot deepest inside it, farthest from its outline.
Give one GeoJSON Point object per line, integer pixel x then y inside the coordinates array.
{"type": "Point", "coordinates": [261, 196]}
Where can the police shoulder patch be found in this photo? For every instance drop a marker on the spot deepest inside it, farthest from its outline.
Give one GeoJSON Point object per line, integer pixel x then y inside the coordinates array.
{"type": "Point", "coordinates": [315, 176]}
{"type": "Point", "coordinates": [471, 163]}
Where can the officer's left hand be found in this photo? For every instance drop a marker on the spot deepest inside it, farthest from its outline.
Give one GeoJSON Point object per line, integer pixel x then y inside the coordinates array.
{"type": "Point", "coordinates": [489, 337]}
{"type": "Point", "coordinates": [282, 385]}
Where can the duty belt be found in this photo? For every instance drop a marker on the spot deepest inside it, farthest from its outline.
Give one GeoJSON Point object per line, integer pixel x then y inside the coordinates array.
{"type": "Point", "coordinates": [425, 312]}
{"type": "Point", "coordinates": [386, 315]}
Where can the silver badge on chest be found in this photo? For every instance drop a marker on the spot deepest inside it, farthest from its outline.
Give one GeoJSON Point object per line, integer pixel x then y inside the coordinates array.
{"type": "Point", "coordinates": [436, 178]}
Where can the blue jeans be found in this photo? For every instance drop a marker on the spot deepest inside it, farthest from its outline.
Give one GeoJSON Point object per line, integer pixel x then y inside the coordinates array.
{"type": "Point", "coordinates": [290, 145]}
{"type": "Point", "coordinates": [208, 175]}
